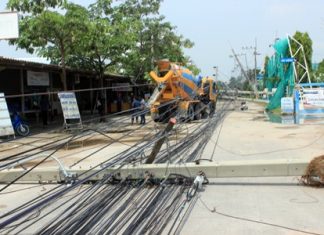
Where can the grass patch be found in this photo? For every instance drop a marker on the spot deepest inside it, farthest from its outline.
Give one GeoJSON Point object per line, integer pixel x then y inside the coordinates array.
{"type": "Point", "coordinates": [276, 111]}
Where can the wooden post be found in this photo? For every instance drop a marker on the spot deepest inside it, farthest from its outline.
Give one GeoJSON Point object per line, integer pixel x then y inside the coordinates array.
{"type": "Point", "coordinates": [91, 96]}
{"type": "Point", "coordinates": [159, 143]}
{"type": "Point", "coordinates": [22, 91]}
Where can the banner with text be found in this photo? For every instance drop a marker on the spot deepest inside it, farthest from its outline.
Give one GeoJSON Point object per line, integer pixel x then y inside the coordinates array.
{"type": "Point", "coordinates": [313, 97]}
{"type": "Point", "coordinates": [69, 105]}
{"type": "Point", "coordinates": [310, 101]}
{"type": "Point", "coordinates": [37, 78]}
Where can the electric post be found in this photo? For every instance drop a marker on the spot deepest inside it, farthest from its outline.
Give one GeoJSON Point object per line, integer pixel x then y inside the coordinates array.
{"type": "Point", "coordinates": [254, 80]}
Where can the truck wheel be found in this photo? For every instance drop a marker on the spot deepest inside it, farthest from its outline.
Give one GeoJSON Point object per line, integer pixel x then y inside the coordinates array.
{"type": "Point", "coordinates": [212, 106]}
{"type": "Point", "coordinates": [190, 113]}
{"type": "Point", "coordinates": [198, 111]}
{"type": "Point", "coordinates": [205, 112]}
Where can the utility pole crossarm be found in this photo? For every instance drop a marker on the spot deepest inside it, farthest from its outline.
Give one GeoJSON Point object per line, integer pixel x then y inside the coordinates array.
{"type": "Point", "coordinates": [252, 83]}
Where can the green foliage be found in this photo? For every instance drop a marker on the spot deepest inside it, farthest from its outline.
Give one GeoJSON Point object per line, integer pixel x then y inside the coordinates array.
{"type": "Point", "coordinates": [319, 73]}
{"type": "Point", "coordinates": [265, 69]}
{"type": "Point", "coordinates": [104, 40]}
{"type": "Point", "coordinates": [154, 39]}
{"type": "Point", "coordinates": [51, 34]}
{"type": "Point", "coordinates": [321, 67]}
{"type": "Point", "coordinates": [307, 43]}
{"type": "Point", "coordinates": [124, 36]}
{"type": "Point", "coordinates": [247, 86]}
{"type": "Point", "coordinates": [192, 67]}
{"type": "Point", "coordinates": [236, 83]}
{"type": "Point", "coordinates": [34, 6]}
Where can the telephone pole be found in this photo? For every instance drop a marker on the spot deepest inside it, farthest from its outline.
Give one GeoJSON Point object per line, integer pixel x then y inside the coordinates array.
{"type": "Point", "coordinates": [240, 65]}
{"type": "Point", "coordinates": [255, 54]}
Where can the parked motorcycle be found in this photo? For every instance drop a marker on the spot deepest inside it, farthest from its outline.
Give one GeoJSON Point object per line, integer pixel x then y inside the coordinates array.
{"type": "Point", "coordinates": [19, 126]}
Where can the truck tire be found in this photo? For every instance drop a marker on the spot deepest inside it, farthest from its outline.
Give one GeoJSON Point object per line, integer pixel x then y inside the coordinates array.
{"type": "Point", "coordinates": [190, 113]}
{"type": "Point", "coordinates": [205, 111]}
{"type": "Point", "coordinates": [212, 106]}
{"type": "Point", "coordinates": [198, 111]}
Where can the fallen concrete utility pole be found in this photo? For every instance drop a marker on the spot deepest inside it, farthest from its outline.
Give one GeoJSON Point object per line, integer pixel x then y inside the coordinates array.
{"type": "Point", "coordinates": [160, 142]}
{"type": "Point", "coordinates": [251, 168]}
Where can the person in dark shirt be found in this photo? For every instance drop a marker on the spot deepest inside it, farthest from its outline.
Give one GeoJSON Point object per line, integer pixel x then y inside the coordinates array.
{"type": "Point", "coordinates": [101, 109]}
{"type": "Point", "coordinates": [143, 107]}
{"type": "Point", "coordinates": [136, 104]}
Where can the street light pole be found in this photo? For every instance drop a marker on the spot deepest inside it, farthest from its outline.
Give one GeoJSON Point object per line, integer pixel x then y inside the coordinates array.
{"type": "Point", "coordinates": [216, 72]}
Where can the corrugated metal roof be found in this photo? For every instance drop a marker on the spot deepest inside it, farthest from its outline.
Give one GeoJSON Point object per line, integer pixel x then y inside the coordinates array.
{"type": "Point", "coordinates": [24, 63]}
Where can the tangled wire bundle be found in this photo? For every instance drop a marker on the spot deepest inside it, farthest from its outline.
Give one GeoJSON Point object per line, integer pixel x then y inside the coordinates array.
{"type": "Point", "coordinates": [314, 175]}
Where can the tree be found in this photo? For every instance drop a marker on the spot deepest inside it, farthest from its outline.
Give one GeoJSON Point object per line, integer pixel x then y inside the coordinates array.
{"type": "Point", "coordinates": [51, 34]}
{"type": "Point", "coordinates": [306, 41]}
{"type": "Point", "coordinates": [236, 83]}
{"type": "Point", "coordinates": [119, 36]}
{"type": "Point", "coordinates": [154, 39]}
{"type": "Point", "coordinates": [247, 86]}
{"type": "Point", "coordinates": [192, 66]}
{"type": "Point", "coordinates": [34, 7]}
{"type": "Point", "coordinates": [109, 34]}
{"type": "Point", "coordinates": [319, 73]}
{"type": "Point", "coordinates": [265, 69]}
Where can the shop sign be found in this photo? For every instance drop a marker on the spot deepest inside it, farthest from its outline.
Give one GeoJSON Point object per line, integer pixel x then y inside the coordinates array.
{"type": "Point", "coordinates": [37, 78]}
{"type": "Point", "coordinates": [125, 86]}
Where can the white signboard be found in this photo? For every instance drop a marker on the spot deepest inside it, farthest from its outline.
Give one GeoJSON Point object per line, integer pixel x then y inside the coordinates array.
{"type": "Point", "coordinates": [288, 119]}
{"type": "Point", "coordinates": [5, 121]}
{"type": "Point", "coordinates": [121, 86]}
{"type": "Point", "coordinates": [287, 105]}
{"type": "Point", "coordinates": [313, 97]}
{"type": "Point", "coordinates": [37, 78]}
{"type": "Point", "coordinates": [69, 105]}
{"type": "Point", "coordinates": [9, 25]}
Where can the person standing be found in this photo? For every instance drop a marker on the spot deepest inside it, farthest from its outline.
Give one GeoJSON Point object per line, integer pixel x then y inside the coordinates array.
{"type": "Point", "coordinates": [143, 106]}
{"type": "Point", "coordinates": [135, 106]}
{"type": "Point", "coordinates": [100, 108]}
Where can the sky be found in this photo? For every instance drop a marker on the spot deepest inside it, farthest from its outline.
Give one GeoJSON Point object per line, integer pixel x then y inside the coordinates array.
{"type": "Point", "coordinates": [216, 26]}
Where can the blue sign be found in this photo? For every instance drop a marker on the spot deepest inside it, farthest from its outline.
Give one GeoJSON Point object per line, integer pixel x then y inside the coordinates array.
{"type": "Point", "coordinates": [287, 60]}
{"type": "Point", "coordinates": [260, 76]}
